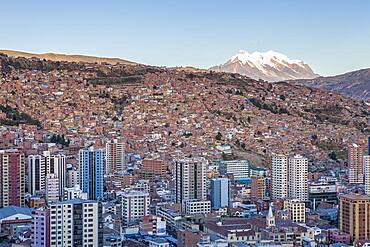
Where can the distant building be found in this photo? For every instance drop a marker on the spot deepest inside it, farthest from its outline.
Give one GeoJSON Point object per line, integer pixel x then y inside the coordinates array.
{"type": "Point", "coordinates": [279, 176]}
{"type": "Point", "coordinates": [76, 223]}
{"type": "Point", "coordinates": [115, 157]}
{"type": "Point", "coordinates": [151, 168]}
{"type": "Point", "coordinates": [135, 205]}
{"type": "Point", "coordinates": [356, 153]}
{"type": "Point", "coordinates": [12, 178]}
{"type": "Point", "coordinates": [298, 178]}
{"type": "Point", "coordinates": [153, 225]}
{"type": "Point", "coordinates": [258, 187]}
{"type": "Point", "coordinates": [240, 169]}
{"type": "Point", "coordinates": [39, 166]}
{"type": "Point", "coordinates": [220, 192]}
{"type": "Point", "coordinates": [52, 188]}
{"type": "Point", "coordinates": [190, 178]}
{"type": "Point", "coordinates": [354, 216]}
{"type": "Point", "coordinates": [40, 228]}
{"type": "Point", "coordinates": [297, 210]}
{"type": "Point", "coordinates": [72, 177]}
{"type": "Point", "coordinates": [367, 174]}
{"type": "Point", "coordinates": [74, 193]}
{"type": "Point", "coordinates": [325, 191]}
{"type": "Point", "coordinates": [91, 165]}
{"type": "Point", "coordinates": [197, 207]}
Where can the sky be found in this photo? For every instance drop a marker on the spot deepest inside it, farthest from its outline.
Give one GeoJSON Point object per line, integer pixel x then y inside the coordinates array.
{"type": "Point", "coordinates": [332, 36]}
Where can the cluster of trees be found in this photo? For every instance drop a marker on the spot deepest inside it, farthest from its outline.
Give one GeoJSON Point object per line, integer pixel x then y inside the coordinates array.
{"type": "Point", "coordinates": [14, 117]}
{"type": "Point", "coordinates": [60, 139]}
{"type": "Point", "coordinates": [270, 107]}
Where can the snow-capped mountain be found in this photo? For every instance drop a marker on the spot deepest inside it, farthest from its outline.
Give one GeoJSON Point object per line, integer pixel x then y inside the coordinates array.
{"type": "Point", "coordinates": [270, 66]}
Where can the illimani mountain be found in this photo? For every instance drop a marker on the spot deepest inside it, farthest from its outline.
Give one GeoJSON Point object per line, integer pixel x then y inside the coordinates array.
{"type": "Point", "coordinates": [269, 66]}
{"type": "Point", "coordinates": [355, 84]}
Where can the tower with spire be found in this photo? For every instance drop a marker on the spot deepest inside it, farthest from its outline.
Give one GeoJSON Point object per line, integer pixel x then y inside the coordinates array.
{"type": "Point", "coordinates": [270, 218]}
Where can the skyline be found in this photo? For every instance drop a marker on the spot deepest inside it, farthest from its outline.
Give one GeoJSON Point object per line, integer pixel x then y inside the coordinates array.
{"type": "Point", "coordinates": [331, 36]}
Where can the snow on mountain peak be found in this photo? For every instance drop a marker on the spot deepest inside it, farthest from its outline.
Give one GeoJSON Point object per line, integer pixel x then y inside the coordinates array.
{"type": "Point", "coordinates": [269, 65]}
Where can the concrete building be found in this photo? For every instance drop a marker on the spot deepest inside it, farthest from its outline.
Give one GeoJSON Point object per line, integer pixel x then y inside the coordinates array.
{"type": "Point", "coordinates": [76, 223]}
{"type": "Point", "coordinates": [74, 193]}
{"type": "Point", "coordinates": [41, 228]}
{"type": "Point", "coordinates": [72, 177]}
{"type": "Point", "coordinates": [197, 207]}
{"type": "Point", "coordinates": [220, 192]}
{"type": "Point", "coordinates": [115, 157]}
{"type": "Point", "coordinates": [240, 169]}
{"type": "Point", "coordinates": [354, 216]}
{"type": "Point", "coordinates": [296, 209]}
{"type": "Point", "coordinates": [298, 178]}
{"type": "Point", "coordinates": [135, 205]}
{"type": "Point", "coordinates": [258, 187]}
{"type": "Point", "coordinates": [279, 176]}
{"type": "Point", "coordinates": [39, 166]}
{"type": "Point", "coordinates": [367, 174]}
{"type": "Point", "coordinates": [151, 168]}
{"type": "Point", "coordinates": [356, 153]}
{"type": "Point", "coordinates": [52, 188]}
{"type": "Point", "coordinates": [12, 178]}
{"type": "Point", "coordinates": [190, 178]}
{"type": "Point", "coordinates": [91, 165]}
{"type": "Point", "coordinates": [153, 225]}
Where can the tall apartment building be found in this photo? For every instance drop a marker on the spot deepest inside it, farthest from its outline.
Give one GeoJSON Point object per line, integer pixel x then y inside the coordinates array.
{"type": "Point", "coordinates": [12, 177]}
{"type": "Point", "coordinates": [39, 166]}
{"type": "Point", "coordinates": [356, 153]}
{"type": "Point", "coordinates": [115, 157]}
{"type": "Point", "coordinates": [289, 177]}
{"type": "Point", "coordinates": [367, 174]}
{"type": "Point", "coordinates": [91, 165]}
{"type": "Point", "coordinates": [298, 178]}
{"type": "Point", "coordinates": [279, 176]}
{"type": "Point", "coordinates": [220, 192]}
{"type": "Point", "coordinates": [258, 187]}
{"type": "Point", "coordinates": [151, 168]}
{"type": "Point", "coordinates": [354, 216]}
{"type": "Point", "coordinates": [75, 223]}
{"type": "Point", "coordinates": [40, 228]}
{"type": "Point", "coordinates": [72, 177]}
{"type": "Point", "coordinates": [135, 205]}
{"type": "Point", "coordinates": [190, 177]}
{"type": "Point", "coordinates": [52, 188]}
{"type": "Point", "coordinates": [240, 169]}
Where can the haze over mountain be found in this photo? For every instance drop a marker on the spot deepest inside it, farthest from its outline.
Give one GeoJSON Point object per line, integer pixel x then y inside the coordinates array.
{"type": "Point", "coordinates": [355, 84]}
{"type": "Point", "coordinates": [270, 66]}
{"type": "Point", "coordinates": [66, 58]}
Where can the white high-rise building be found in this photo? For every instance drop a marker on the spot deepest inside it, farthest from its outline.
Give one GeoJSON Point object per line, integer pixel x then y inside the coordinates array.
{"type": "Point", "coordinates": [298, 178]}
{"type": "Point", "coordinates": [76, 223]}
{"type": "Point", "coordinates": [74, 192]}
{"type": "Point", "coordinates": [115, 157]}
{"type": "Point", "coordinates": [39, 166]}
{"type": "Point", "coordinates": [190, 177]}
{"type": "Point", "coordinates": [367, 174]}
{"type": "Point", "coordinates": [52, 188]}
{"type": "Point", "coordinates": [135, 205]}
{"type": "Point", "coordinates": [279, 177]}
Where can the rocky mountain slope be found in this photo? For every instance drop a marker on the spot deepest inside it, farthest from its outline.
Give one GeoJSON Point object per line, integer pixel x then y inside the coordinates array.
{"type": "Point", "coordinates": [176, 112]}
{"type": "Point", "coordinates": [66, 58]}
{"type": "Point", "coordinates": [270, 66]}
{"type": "Point", "coordinates": [354, 84]}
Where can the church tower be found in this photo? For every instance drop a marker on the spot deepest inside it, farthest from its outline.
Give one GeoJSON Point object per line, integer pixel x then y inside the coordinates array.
{"type": "Point", "coordinates": [270, 218]}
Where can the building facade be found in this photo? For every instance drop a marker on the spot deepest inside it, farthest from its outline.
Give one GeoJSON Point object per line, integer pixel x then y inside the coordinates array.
{"type": "Point", "coordinates": [190, 178]}
{"type": "Point", "coordinates": [220, 192]}
{"type": "Point", "coordinates": [354, 216]}
{"type": "Point", "coordinates": [115, 157]}
{"type": "Point", "coordinates": [356, 153]}
{"type": "Point", "coordinates": [135, 205]}
{"type": "Point", "coordinates": [279, 176]}
{"type": "Point", "coordinates": [91, 165]}
{"type": "Point", "coordinates": [298, 178]}
{"type": "Point", "coordinates": [12, 178]}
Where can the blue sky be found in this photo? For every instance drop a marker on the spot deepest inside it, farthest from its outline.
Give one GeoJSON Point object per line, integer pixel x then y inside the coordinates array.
{"type": "Point", "coordinates": [333, 36]}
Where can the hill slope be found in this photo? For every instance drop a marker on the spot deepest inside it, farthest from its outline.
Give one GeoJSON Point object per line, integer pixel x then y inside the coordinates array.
{"type": "Point", "coordinates": [354, 84]}
{"type": "Point", "coordinates": [270, 66]}
{"type": "Point", "coordinates": [66, 58]}
{"type": "Point", "coordinates": [176, 112]}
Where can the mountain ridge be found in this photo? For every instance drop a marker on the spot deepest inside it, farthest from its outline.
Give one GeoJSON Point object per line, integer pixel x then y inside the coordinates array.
{"type": "Point", "coordinates": [66, 57]}
{"type": "Point", "coordinates": [354, 84]}
{"type": "Point", "coordinates": [269, 66]}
